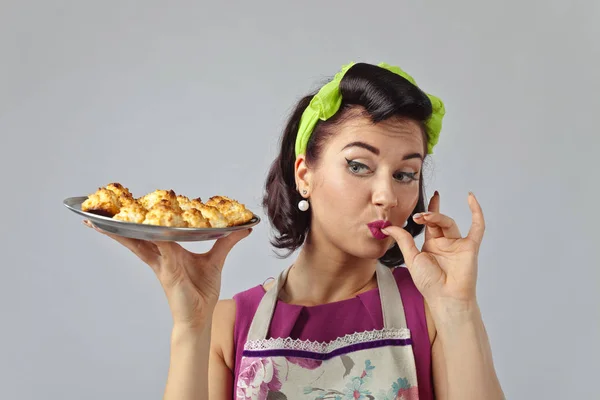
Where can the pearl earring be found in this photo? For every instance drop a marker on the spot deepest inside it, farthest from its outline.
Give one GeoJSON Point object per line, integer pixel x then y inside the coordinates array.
{"type": "Point", "coordinates": [303, 205]}
{"type": "Point", "coordinates": [405, 224]}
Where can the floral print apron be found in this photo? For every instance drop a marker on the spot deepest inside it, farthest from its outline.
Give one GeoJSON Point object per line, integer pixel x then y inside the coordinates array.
{"type": "Point", "coordinates": [376, 364]}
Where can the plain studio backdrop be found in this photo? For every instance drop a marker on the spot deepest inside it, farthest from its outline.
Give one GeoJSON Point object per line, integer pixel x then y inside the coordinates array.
{"type": "Point", "coordinates": [193, 96]}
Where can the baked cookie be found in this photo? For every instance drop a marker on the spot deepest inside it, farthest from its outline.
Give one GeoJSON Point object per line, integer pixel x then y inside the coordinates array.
{"type": "Point", "coordinates": [131, 212]}
{"type": "Point", "coordinates": [235, 212]}
{"type": "Point", "coordinates": [185, 203]}
{"type": "Point", "coordinates": [119, 190]}
{"type": "Point", "coordinates": [214, 216]}
{"type": "Point", "coordinates": [162, 213]}
{"type": "Point", "coordinates": [195, 219]}
{"type": "Point", "coordinates": [104, 202]}
{"type": "Point", "coordinates": [148, 201]}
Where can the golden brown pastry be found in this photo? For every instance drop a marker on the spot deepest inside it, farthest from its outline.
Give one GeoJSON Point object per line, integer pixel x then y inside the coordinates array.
{"type": "Point", "coordinates": [103, 202]}
{"type": "Point", "coordinates": [131, 212]}
{"type": "Point", "coordinates": [195, 219]}
{"type": "Point", "coordinates": [148, 201]}
{"type": "Point", "coordinates": [185, 203]}
{"type": "Point", "coordinates": [235, 212]}
{"type": "Point", "coordinates": [128, 201]}
{"type": "Point", "coordinates": [166, 208]}
{"type": "Point", "coordinates": [119, 190]}
{"type": "Point", "coordinates": [162, 213]}
{"type": "Point", "coordinates": [214, 216]}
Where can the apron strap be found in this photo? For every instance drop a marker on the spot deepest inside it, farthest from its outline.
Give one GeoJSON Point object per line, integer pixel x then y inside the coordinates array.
{"type": "Point", "coordinates": [391, 301]}
{"type": "Point", "coordinates": [391, 304]}
{"type": "Point", "coordinates": [264, 313]}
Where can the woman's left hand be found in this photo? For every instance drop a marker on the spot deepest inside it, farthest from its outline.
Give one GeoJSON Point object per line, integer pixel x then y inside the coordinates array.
{"type": "Point", "coordinates": [446, 267]}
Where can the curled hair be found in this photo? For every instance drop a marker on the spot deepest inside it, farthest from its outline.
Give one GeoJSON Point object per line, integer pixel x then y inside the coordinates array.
{"type": "Point", "coordinates": [380, 95]}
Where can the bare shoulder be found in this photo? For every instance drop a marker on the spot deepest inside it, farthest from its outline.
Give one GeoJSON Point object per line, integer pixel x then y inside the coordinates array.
{"type": "Point", "coordinates": [223, 324]}
{"type": "Point", "coordinates": [224, 313]}
{"type": "Point", "coordinates": [267, 285]}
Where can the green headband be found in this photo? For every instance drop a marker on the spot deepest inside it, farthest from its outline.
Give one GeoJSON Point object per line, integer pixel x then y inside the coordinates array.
{"type": "Point", "coordinates": [328, 100]}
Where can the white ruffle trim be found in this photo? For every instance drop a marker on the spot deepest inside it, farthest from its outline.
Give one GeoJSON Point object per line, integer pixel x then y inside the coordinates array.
{"type": "Point", "coordinates": [326, 347]}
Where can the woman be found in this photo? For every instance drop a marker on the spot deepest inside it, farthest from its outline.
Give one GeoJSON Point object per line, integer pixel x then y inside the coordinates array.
{"type": "Point", "coordinates": [343, 322]}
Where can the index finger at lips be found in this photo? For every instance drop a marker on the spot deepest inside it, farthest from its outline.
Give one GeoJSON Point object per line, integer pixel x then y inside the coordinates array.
{"type": "Point", "coordinates": [405, 242]}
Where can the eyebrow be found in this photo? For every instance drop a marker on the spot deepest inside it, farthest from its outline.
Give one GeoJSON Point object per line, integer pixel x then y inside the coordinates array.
{"type": "Point", "coordinates": [376, 151]}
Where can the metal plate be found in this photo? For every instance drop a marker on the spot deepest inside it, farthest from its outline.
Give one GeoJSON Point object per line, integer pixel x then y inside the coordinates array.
{"type": "Point", "coordinates": [153, 232]}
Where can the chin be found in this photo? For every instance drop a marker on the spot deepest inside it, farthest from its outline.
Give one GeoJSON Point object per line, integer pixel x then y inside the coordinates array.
{"type": "Point", "coordinates": [372, 249]}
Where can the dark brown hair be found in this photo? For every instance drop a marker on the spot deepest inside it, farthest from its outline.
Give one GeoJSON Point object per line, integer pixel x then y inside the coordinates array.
{"type": "Point", "coordinates": [379, 95]}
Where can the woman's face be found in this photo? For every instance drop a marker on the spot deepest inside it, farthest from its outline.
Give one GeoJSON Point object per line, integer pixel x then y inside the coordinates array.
{"type": "Point", "coordinates": [367, 173]}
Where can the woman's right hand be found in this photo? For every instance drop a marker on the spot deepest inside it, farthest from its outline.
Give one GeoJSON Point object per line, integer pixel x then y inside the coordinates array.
{"type": "Point", "coordinates": [191, 281]}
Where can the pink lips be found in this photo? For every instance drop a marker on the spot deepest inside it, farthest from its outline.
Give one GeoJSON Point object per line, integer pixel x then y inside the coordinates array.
{"type": "Point", "coordinates": [376, 226]}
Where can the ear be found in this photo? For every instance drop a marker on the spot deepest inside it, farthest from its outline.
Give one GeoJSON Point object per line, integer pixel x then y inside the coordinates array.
{"type": "Point", "coordinates": [302, 174]}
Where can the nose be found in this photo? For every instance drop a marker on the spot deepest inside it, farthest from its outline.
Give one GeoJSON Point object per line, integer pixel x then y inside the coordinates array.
{"type": "Point", "coordinates": [383, 194]}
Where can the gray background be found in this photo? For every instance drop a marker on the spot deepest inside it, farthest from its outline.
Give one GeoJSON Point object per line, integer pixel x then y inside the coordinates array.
{"type": "Point", "coordinates": [193, 97]}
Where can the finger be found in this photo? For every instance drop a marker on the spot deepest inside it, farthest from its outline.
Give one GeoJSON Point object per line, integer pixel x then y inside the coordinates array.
{"type": "Point", "coordinates": [166, 248]}
{"type": "Point", "coordinates": [434, 204]}
{"type": "Point", "coordinates": [477, 220]}
{"type": "Point", "coordinates": [405, 241]}
{"type": "Point", "coordinates": [146, 251]}
{"type": "Point", "coordinates": [447, 225]}
{"type": "Point", "coordinates": [421, 265]}
{"type": "Point", "coordinates": [223, 246]}
{"type": "Point", "coordinates": [432, 232]}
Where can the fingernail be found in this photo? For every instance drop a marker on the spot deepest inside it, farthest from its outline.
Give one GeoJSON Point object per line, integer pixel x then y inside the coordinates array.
{"type": "Point", "coordinates": [417, 215]}
{"type": "Point", "coordinates": [426, 213]}
{"type": "Point", "coordinates": [436, 193]}
{"type": "Point", "coordinates": [386, 232]}
{"type": "Point", "coordinates": [471, 194]}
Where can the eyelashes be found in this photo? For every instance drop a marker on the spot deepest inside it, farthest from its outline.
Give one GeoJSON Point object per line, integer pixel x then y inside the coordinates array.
{"type": "Point", "coordinates": [355, 166]}
{"type": "Point", "coordinates": [362, 170]}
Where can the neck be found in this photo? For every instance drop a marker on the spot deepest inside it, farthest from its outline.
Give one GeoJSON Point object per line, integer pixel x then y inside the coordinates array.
{"type": "Point", "coordinates": [321, 276]}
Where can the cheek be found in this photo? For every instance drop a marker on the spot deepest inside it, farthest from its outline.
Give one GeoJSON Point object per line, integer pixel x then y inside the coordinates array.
{"type": "Point", "coordinates": [408, 196]}
{"type": "Point", "coordinates": [343, 194]}
{"type": "Point", "coordinates": [407, 201]}
{"type": "Point", "coordinates": [336, 197]}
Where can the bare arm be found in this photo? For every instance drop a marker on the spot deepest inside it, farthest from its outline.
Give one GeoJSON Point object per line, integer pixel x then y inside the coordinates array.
{"type": "Point", "coordinates": [445, 272]}
{"type": "Point", "coordinates": [440, 377]}
{"type": "Point", "coordinates": [222, 357]}
{"type": "Point", "coordinates": [192, 284]}
{"type": "Point", "coordinates": [462, 355]}
{"type": "Point", "coordinates": [202, 360]}
{"type": "Point", "coordinates": [188, 368]}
